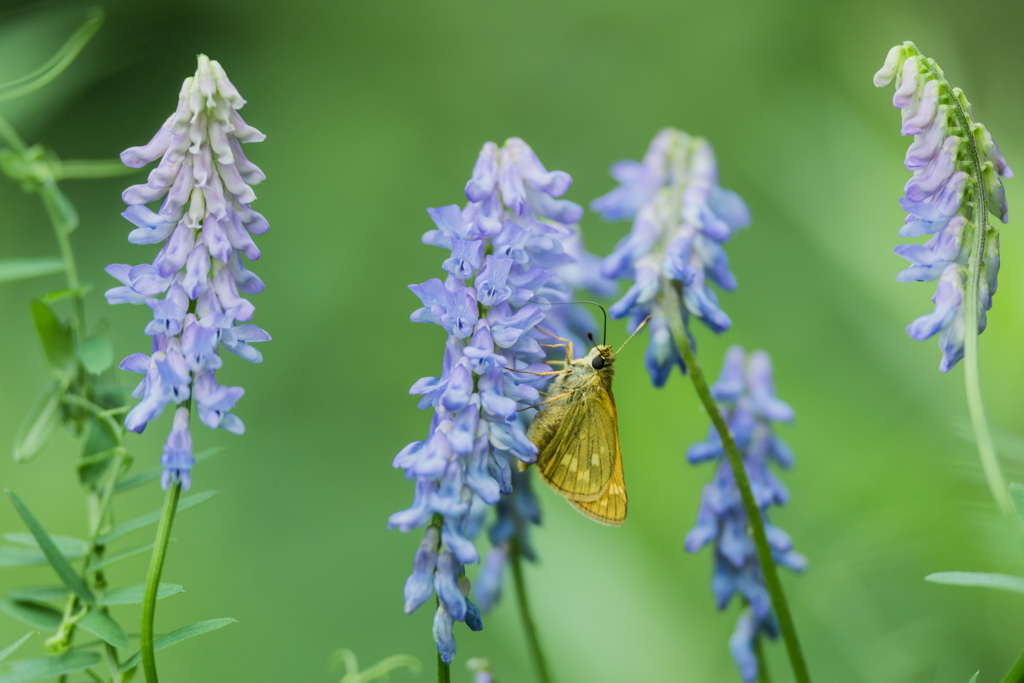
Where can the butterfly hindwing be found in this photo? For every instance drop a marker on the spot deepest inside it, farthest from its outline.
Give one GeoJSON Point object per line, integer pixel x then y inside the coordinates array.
{"type": "Point", "coordinates": [609, 509]}
{"type": "Point", "coordinates": [579, 458]}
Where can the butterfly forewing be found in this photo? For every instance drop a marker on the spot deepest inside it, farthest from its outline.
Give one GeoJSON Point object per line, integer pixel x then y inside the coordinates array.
{"type": "Point", "coordinates": [581, 453]}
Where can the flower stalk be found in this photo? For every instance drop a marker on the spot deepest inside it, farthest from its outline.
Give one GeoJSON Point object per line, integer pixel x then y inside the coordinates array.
{"type": "Point", "coordinates": [444, 674]}
{"type": "Point", "coordinates": [972, 381]}
{"type": "Point", "coordinates": [762, 665]}
{"type": "Point", "coordinates": [532, 640]}
{"type": "Point", "coordinates": [156, 566]}
{"type": "Point", "coordinates": [672, 305]}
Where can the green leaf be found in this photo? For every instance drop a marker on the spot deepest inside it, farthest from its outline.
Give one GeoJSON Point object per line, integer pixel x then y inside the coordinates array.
{"type": "Point", "coordinates": [92, 468]}
{"type": "Point", "coordinates": [71, 548]}
{"type": "Point", "coordinates": [152, 518]}
{"type": "Point", "coordinates": [175, 637]}
{"type": "Point", "coordinates": [36, 615]}
{"type": "Point", "coordinates": [133, 595]}
{"type": "Point", "coordinates": [67, 575]}
{"type": "Point", "coordinates": [98, 438]}
{"type": "Point", "coordinates": [153, 473]}
{"type": "Point", "coordinates": [29, 670]}
{"type": "Point", "coordinates": [9, 650]}
{"type": "Point", "coordinates": [59, 294]}
{"type": "Point", "coordinates": [1017, 500]}
{"type": "Point", "coordinates": [96, 354]}
{"type": "Point", "coordinates": [40, 423]}
{"type": "Point", "coordinates": [384, 667]}
{"type": "Point", "coordinates": [24, 268]}
{"type": "Point", "coordinates": [20, 557]}
{"type": "Point", "coordinates": [97, 450]}
{"type": "Point", "coordinates": [974, 678]}
{"type": "Point", "coordinates": [56, 338]}
{"type": "Point", "coordinates": [40, 594]}
{"type": "Point", "coordinates": [26, 557]}
{"type": "Point", "coordinates": [122, 556]}
{"type": "Point", "coordinates": [104, 626]}
{"type": "Point", "coordinates": [979, 580]}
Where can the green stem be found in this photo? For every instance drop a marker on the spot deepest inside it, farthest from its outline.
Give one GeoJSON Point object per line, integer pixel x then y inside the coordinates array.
{"type": "Point", "coordinates": [979, 210]}
{"type": "Point", "coordinates": [56, 64]}
{"type": "Point", "coordinates": [672, 306]}
{"type": "Point", "coordinates": [62, 640]}
{"type": "Point", "coordinates": [532, 640]}
{"type": "Point", "coordinates": [156, 566]}
{"type": "Point", "coordinates": [1016, 674]}
{"type": "Point", "coordinates": [444, 673]}
{"type": "Point", "coordinates": [10, 135]}
{"type": "Point", "coordinates": [63, 233]}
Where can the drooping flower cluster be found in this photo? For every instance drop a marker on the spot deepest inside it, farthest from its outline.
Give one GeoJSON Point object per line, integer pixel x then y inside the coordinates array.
{"type": "Point", "coordinates": [508, 246]}
{"type": "Point", "coordinates": [745, 392]}
{"type": "Point", "coordinates": [956, 181]}
{"type": "Point", "coordinates": [205, 224]}
{"type": "Point", "coordinates": [682, 219]}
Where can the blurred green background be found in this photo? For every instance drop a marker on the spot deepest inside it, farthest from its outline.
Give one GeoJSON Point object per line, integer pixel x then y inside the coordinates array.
{"type": "Point", "coordinates": [376, 110]}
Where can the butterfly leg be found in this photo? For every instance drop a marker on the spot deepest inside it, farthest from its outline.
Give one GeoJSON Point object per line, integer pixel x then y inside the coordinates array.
{"type": "Point", "coordinates": [553, 398]}
{"type": "Point", "coordinates": [568, 356]}
{"type": "Point", "coordinates": [568, 344]}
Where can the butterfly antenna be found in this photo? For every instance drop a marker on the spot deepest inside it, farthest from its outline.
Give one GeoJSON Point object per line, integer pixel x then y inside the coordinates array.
{"type": "Point", "coordinates": [633, 335]}
{"type": "Point", "coordinates": [590, 336]}
{"type": "Point", "coordinates": [592, 303]}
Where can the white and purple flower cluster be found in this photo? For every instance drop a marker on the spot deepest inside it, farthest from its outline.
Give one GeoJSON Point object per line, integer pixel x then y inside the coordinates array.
{"type": "Point", "coordinates": [514, 248]}
{"type": "Point", "coordinates": [745, 391]}
{"type": "Point", "coordinates": [954, 163]}
{"type": "Point", "coordinates": [205, 224]}
{"type": "Point", "coordinates": [682, 217]}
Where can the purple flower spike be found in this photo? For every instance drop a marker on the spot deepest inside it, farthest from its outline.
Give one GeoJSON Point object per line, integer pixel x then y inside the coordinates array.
{"type": "Point", "coordinates": [513, 251]}
{"type": "Point", "coordinates": [953, 168]}
{"type": "Point", "coordinates": [205, 225]}
{"type": "Point", "coordinates": [745, 392]}
{"type": "Point", "coordinates": [681, 217]}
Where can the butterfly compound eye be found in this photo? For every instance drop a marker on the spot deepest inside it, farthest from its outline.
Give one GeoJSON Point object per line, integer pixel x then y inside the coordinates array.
{"type": "Point", "coordinates": [597, 363]}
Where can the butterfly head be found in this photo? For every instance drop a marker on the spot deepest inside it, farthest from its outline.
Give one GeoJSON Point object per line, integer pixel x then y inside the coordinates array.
{"type": "Point", "coordinates": [600, 357]}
